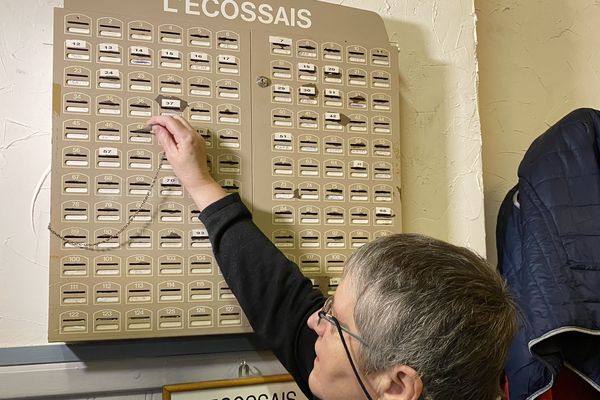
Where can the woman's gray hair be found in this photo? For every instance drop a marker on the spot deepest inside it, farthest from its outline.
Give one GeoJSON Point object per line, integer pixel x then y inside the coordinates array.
{"type": "Point", "coordinates": [438, 308]}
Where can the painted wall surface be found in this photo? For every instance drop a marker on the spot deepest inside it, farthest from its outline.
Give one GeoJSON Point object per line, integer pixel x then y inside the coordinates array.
{"type": "Point", "coordinates": [442, 191]}
{"type": "Point", "coordinates": [538, 61]}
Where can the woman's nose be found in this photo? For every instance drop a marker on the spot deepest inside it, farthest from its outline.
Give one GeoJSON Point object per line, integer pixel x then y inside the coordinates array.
{"type": "Point", "coordinates": [313, 323]}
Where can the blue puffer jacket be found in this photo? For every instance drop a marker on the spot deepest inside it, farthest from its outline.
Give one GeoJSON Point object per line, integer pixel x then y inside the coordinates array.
{"type": "Point", "coordinates": [548, 237]}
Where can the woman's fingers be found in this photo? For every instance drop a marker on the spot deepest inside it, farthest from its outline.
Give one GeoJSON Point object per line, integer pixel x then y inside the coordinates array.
{"type": "Point", "coordinates": [165, 138]}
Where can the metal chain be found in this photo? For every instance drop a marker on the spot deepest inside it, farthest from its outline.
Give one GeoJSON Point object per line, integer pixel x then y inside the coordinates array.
{"type": "Point", "coordinates": [129, 221]}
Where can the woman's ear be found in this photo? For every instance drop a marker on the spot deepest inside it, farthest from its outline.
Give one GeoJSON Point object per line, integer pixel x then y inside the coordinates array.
{"type": "Point", "coordinates": [400, 383]}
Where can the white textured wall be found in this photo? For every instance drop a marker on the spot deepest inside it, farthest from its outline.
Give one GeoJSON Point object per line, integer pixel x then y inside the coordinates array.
{"type": "Point", "coordinates": [538, 61]}
{"type": "Point", "coordinates": [442, 191]}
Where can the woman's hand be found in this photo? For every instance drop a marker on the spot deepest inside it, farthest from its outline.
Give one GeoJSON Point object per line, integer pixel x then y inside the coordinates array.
{"type": "Point", "coordinates": [186, 151]}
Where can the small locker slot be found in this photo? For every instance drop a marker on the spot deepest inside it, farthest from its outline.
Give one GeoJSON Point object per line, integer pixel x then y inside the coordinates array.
{"type": "Point", "coordinates": [333, 98]}
{"type": "Point", "coordinates": [170, 265]}
{"type": "Point", "coordinates": [139, 185]}
{"type": "Point", "coordinates": [283, 166]}
{"type": "Point", "coordinates": [283, 215]}
{"type": "Point", "coordinates": [75, 211]}
{"type": "Point", "coordinates": [283, 190]}
{"type": "Point", "coordinates": [333, 121]}
{"type": "Point", "coordinates": [75, 184]}
{"type": "Point", "coordinates": [359, 216]}
{"type": "Point", "coordinates": [228, 114]}
{"type": "Point", "coordinates": [107, 292]}
{"type": "Point", "coordinates": [107, 320]}
{"type": "Point", "coordinates": [230, 316]}
{"type": "Point", "coordinates": [334, 192]}
{"type": "Point", "coordinates": [359, 169]}
{"type": "Point", "coordinates": [164, 162]}
{"type": "Point", "coordinates": [78, 103]}
{"type": "Point", "coordinates": [225, 292]}
{"type": "Point", "coordinates": [334, 263]}
{"type": "Point", "coordinates": [77, 50]}
{"type": "Point", "coordinates": [139, 292]}
{"type": "Point", "coordinates": [200, 112]}
{"type": "Point", "coordinates": [229, 138]}
{"type": "Point", "coordinates": [139, 133]}
{"type": "Point", "coordinates": [282, 117]}
{"type": "Point", "coordinates": [308, 144]}
{"type": "Point", "coordinates": [310, 263]}
{"type": "Point", "coordinates": [382, 170]}
{"type": "Point", "coordinates": [283, 239]}
{"type": "Point", "coordinates": [332, 74]}
{"type": "Point", "coordinates": [170, 239]}
{"type": "Point", "coordinates": [384, 216]}
{"type": "Point", "coordinates": [76, 157]}
{"type": "Point", "coordinates": [72, 266]}
{"type": "Point", "coordinates": [139, 159]}
{"type": "Point", "coordinates": [171, 212]}
{"type": "Point", "coordinates": [77, 77]}
{"type": "Point", "coordinates": [230, 185]}
{"type": "Point", "coordinates": [334, 145]}
{"type": "Point", "coordinates": [332, 51]}
{"type": "Point", "coordinates": [358, 123]}
{"type": "Point", "coordinates": [334, 216]}
{"type": "Point", "coordinates": [200, 317]}
{"type": "Point", "coordinates": [358, 147]}
{"type": "Point", "coordinates": [139, 265]}
{"type": "Point", "coordinates": [139, 213]}
{"type": "Point", "coordinates": [356, 54]}
{"type": "Point", "coordinates": [308, 120]}
{"type": "Point", "coordinates": [307, 72]}
{"type": "Point", "coordinates": [170, 58]}
{"type": "Point", "coordinates": [282, 93]}
{"type": "Point", "coordinates": [282, 141]}
{"type": "Point", "coordinates": [140, 82]}
{"type": "Point", "coordinates": [74, 293]}
{"type": "Point", "coordinates": [200, 291]}
{"type": "Point", "coordinates": [334, 169]}
{"type": "Point", "coordinates": [280, 45]}
{"type": "Point", "coordinates": [380, 102]}
{"type": "Point", "coordinates": [139, 107]}
{"type": "Point", "coordinates": [108, 131]}
{"type": "Point", "coordinates": [170, 318]}
{"type": "Point", "coordinates": [382, 148]}
{"type": "Point", "coordinates": [139, 239]}
{"type": "Point", "coordinates": [382, 193]}
{"type": "Point", "coordinates": [228, 40]}
{"type": "Point", "coordinates": [359, 239]}
{"type": "Point", "coordinates": [228, 64]}
{"type": "Point", "coordinates": [380, 79]}
{"type": "Point", "coordinates": [199, 37]}
{"type": "Point", "coordinates": [140, 55]}
{"type": "Point", "coordinates": [73, 322]}
{"type": "Point", "coordinates": [307, 49]}
{"type": "Point", "coordinates": [357, 100]}
{"type": "Point", "coordinates": [207, 135]}
{"type": "Point", "coordinates": [109, 79]}
{"type": "Point", "coordinates": [382, 125]}
{"type": "Point", "coordinates": [333, 285]}
{"type": "Point", "coordinates": [281, 70]}
{"type": "Point", "coordinates": [229, 164]}
{"type": "Point", "coordinates": [108, 211]}
{"type": "Point", "coordinates": [199, 86]}
{"type": "Point", "coordinates": [171, 84]}
{"type": "Point", "coordinates": [76, 129]}
{"type": "Point", "coordinates": [357, 77]}
{"type": "Point", "coordinates": [140, 30]}
{"type": "Point", "coordinates": [139, 319]}
{"type": "Point", "coordinates": [108, 157]}
{"type": "Point", "coordinates": [380, 57]}
{"type": "Point", "coordinates": [199, 239]}
{"type": "Point", "coordinates": [307, 94]}
{"type": "Point", "coordinates": [310, 215]}
{"type": "Point", "coordinates": [107, 266]}
{"type": "Point", "coordinates": [110, 27]}
{"type": "Point", "coordinates": [110, 53]}
{"type": "Point", "coordinates": [308, 191]}
{"type": "Point", "coordinates": [201, 264]}
{"type": "Point", "coordinates": [170, 291]}
{"type": "Point", "coordinates": [199, 61]}
{"type": "Point", "coordinates": [170, 186]}
{"type": "Point", "coordinates": [78, 24]}
{"type": "Point", "coordinates": [310, 239]}
{"type": "Point", "coordinates": [109, 105]}
{"type": "Point", "coordinates": [170, 34]}
{"type": "Point", "coordinates": [335, 239]}
{"type": "Point", "coordinates": [74, 237]}
{"type": "Point", "coordinates": [228, 89]}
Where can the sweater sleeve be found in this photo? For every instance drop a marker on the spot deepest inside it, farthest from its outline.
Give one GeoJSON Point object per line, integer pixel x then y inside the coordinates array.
{"type": "Point", "coordinates": [275, 296]}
